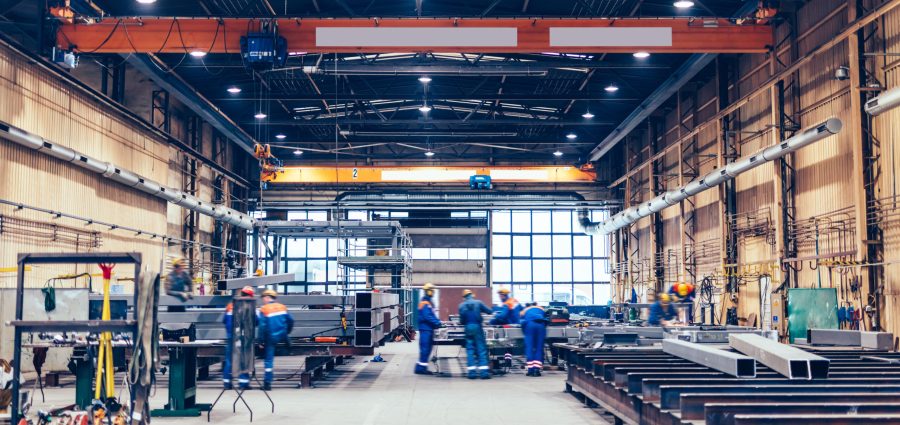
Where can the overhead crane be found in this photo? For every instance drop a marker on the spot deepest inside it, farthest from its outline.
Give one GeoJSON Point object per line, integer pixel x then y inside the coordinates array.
{"type": "Point", "coordinates": [433, 174]}
{"type": "Point", "coordinates": [377, 35]}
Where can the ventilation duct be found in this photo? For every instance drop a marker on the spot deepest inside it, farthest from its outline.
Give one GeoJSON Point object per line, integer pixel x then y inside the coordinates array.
{"type": "Point", "coordinates": [450, 200]}
{"type": "Point", "coordinates": [883, 102]}
{"type": "Point", "coordinates": [713, 179]}
{"type": "Point", "coordinates": [125, 177]}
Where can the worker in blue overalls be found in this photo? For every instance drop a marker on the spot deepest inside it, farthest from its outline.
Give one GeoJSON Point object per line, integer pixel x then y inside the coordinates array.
{"type": "Point", "coordinates": [428, 322]}
{"type": "Point", "coordinates": [661, 312]}
{"type": "Point", "coordinates": [227, 320]}
{"type": "Point", "coordinates": [470, 311]}
{"type": "Point", "coordinates": [534, 327]}
{"type": "Point", "coordinates": [508, 313]}
{"type": "Point", "coordinates": [275, 326]}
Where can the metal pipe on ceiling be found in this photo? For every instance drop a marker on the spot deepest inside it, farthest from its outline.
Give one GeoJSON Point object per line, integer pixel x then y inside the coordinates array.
{"type": "Point", "coordinates": [711, 180]}
{"type": "Point", "coordinates": [37, 143]}
{"type": "Point", "coordinates": [428, 133]}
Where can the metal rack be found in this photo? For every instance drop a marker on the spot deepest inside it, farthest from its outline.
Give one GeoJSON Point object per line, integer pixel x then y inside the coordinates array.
{"type": "Point", "coordinates": [377, 251]}
{"type": "Point", "coordinates": [94, 326]}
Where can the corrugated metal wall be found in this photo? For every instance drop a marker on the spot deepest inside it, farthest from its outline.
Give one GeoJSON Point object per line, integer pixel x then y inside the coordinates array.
{"type": "Point", "coordinates": [826, 191]}
{"type": "Point", "coordinates": [37, 101]}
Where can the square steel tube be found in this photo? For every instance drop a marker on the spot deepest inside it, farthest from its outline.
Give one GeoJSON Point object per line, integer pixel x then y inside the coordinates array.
{"type": "Point", "coordinates": [876, 340]}
{"type": "Point", "coordinates": [733, 364]}
{"type": "Point", "coordinates": [373, 300]}
{"type": "Point", "coordinates": [791, 362]}
{"type": "Point", "coordinates": [257, 281]}
{"type": "Point", "coordinates": [215, 316]}
{"type": "Point", "coordinates": [840, 337]}
{"type": "Point", "coordinates": [223, 300]}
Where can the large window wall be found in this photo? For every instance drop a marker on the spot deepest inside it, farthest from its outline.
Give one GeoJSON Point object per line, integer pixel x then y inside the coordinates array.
{"type": "Point", "coordinates": [545, 256]}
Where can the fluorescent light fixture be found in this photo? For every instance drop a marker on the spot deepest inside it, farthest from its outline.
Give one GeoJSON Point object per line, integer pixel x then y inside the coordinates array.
{"type": "Point", "coordinates": [280, 136]}
{"type": "Point", "coordinates": [557, 153]}
{"type": "Point", "coordinates": [683, 4]}
{"type": "Point", "coordinates": [424, 79]}
{"type": "Point", "coordinates": [260, 115]}
{"type": "Point", "coordinates": [571, 136]}
{"type": "Point", "coordinates": [587, 115]}
{"type": "Point", "coordinates": [429, 154]}
{"type": "Point", "coordinates": [425, 108]}
{"type": "Point", "coordinates": [198, 53]}
{"type": "Point", "coordinates": [146, 1]}
{"type": "Point", "coordinates": [298, 152]}
{"type": "Point", "coordinates": [641, 55]}
{"type": "Point", "coordinates": [234, 90]}
{"type": "Point", "coordinates": [612, 88]}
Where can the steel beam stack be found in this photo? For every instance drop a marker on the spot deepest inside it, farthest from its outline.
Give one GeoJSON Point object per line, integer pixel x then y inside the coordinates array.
{"type": "Point", "coordinates": [376, 315]}
{"type": "Point", "coordinates": [646, 385]}
{"type": "Point", "coordinates": [314, 315]}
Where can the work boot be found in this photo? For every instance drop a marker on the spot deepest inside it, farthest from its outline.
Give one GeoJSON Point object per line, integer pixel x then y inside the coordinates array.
{"type": "Point", "coordinates": [422, 370]}
{"type": "Point", "coordinates": [228, 386]}
{"type": "Point", "coordinates": [267, 386]}
{"type": "Point", "coordinates": [537, 372]}
{"type": "Point", "coordinates": [530, 372]}
{"type": "Point", "coordinates": [472, 374]}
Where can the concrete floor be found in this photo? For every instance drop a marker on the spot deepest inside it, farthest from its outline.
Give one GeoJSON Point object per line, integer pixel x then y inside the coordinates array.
{"type": "Point", "coordinates": [363, 393]}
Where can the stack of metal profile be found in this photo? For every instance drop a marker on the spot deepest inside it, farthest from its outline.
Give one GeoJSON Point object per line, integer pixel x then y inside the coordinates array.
{"type": "Point", "coordinates": [376, 316]}
{"type": "Point", "coordinates": [682, 382]}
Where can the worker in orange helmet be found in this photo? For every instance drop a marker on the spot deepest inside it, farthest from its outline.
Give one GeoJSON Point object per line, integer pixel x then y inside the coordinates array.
{"type": "Point", "coordinates": [684, 292]}
{"type": "Point", "coordinates": [228, 321]}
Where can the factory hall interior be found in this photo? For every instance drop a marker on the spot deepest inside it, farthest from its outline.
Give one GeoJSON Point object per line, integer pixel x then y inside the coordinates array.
{"type": "Point", "coordinates": [389, 212]}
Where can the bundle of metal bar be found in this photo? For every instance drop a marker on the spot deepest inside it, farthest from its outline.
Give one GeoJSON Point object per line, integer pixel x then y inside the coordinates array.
{"type": "Point", "coordinates": [648, 386]}
{"type": "Point", "coordinates": [791, 362]}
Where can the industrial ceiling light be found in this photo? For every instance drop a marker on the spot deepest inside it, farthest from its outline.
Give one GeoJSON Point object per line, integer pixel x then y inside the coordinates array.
{"type": "Point", "coordinates": [429, 154]}
{"type": "Point", "coordinates": [424, 79]}
{"type": "Point", "coordinates": [234, 90]}
{"type": "Point", "coordinates": [298, 152]}
{"type": "Point", "coordinates": [146, 1]}
{"type": "Point", "coordinates": [425, 108]}
{"type": "Point", "coordinates": [571, 136]}
{"type": "Point", "coordinates": [260, 115]}
{"type": "Point", "coordinates": [587, 115]}
{"type": "Point", "coordinates": [558, 153]}
{"type": "Point", "coordinates": [683, 4]}
{"type": "Point", "coordinates": [198, 53]}
{"type": "Point", "coordinates": [641, 55]}
{"type": "Point", "coordinates": [280, 136]}
{"type": "Point", "coordinates": [612, 88]}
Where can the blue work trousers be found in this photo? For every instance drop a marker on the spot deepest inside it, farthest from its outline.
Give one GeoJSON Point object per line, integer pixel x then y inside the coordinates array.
{"type": "Point", "coordinates": [535, 333]}
{"type": "Point", "coordinates": [426, 343]}
{"type": "Point", "coordinates": [269, 363]}
{"type": "Point", "coordinates": [476, 349]}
